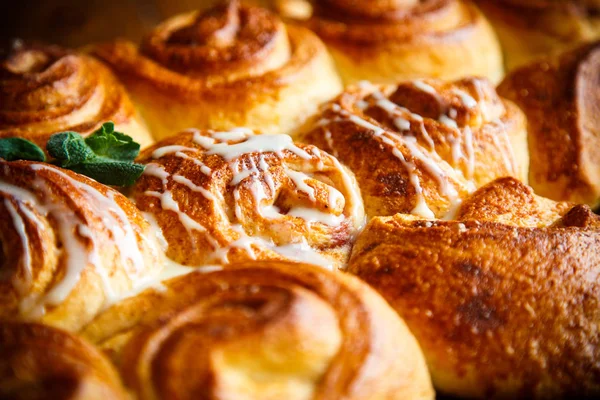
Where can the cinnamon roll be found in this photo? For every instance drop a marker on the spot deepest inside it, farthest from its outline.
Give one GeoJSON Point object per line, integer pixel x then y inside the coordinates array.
{"type": "Point", "coordinates": [40, 362]}
{"type": "Point", "coordinates": [389, 40]}
{"type": "Point", "coordinates": [250, 332]}
{"type": "Point", "coordinates": [530, 29]}
{"type": "Point", "coordinates": [47, 89]}
{"type": "Point", "coordinates": [233, 65]}
{"type": "Point", "coordinates": [69, 245]}
{"type": "Point", "coordinates": [559, 95]}
{"type": "Point", "coordinates": [504, 300]}
{"type": "Point", "coordinates": [220, 197]}
{"type": "Point", "coordinates": [421, 146]}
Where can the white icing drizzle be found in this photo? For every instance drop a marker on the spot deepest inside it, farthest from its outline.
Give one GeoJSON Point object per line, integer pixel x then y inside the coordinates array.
{"type": "Point", "coordinates": [234, 134]}
{"type": "Point", "coordinates": [465, 98]}
{"type": "Point", "coordinates": [192, 186]}
{"type": "Point", "coordinates": [450, 123]}
{"type": "Point", "coordinates": [252, 144]}
{"type": "Point", "coordinates": [303, 252]}
{"type": "Point", "coordinates": [419, 84]}
{"type": "Point", "coordinates": [163, 151]}
{"type": "Point", "coordinates": [21, 284]}
{"type": "Point", "coordinates": [299, 179]}
{"type": "Point", "coordinates": [410, 142]}
{"type": "Point", "coordinates": [468, 135]}
{"type": "Point", "coordinates": [179, 152]}
{"type": "Point", "coordinates": [253, 174]}
{"type": "Point", "coordinates": [80, 244]}
{"type": "Point", "coordinates": [330, 143]}
{"type": "Point", "coordinates": [508, 159]}
{"type": "Point", "coordinates": [483, 106]}
{"type": "Point", "coordinates": [402, 124]}
{"type": "Point", "coordinates": [169, 204]}
{"type": "Point", "coordinates": [311, 215]}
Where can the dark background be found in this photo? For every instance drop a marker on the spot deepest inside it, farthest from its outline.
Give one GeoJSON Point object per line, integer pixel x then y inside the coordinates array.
{"type": "Point", "coordinates": [75, 23]}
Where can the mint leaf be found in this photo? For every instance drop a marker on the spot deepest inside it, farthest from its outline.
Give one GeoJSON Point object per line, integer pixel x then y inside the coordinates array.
{"type": "Point", "coordinates": [12, 149]}
{"type": "Point", "coordinates": [69, 149]}
{"type": "Point", "coordinates": [106, 156]}
{"type": "Point", "coordinates": [115, 173]}
{"type": "Point", "coordinates": [106, 142]}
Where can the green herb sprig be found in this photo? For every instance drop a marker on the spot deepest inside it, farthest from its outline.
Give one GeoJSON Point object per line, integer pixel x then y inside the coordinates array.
{"type": "Point", "coordinates": [106, 155]}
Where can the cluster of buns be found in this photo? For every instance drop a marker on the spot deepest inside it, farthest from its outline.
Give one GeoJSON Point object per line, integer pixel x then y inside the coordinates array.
{"type": "Point", "coordinates": [292, 238]}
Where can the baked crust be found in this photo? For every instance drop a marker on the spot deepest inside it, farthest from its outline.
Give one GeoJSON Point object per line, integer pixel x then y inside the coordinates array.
{"type": "Point", "coordinates": [559, 96]}
{"type": "Point", "coordinates": [229, 66]}
{"type": "Point", "coordinates": [530, 29]}
{"type": "Point", "coordinates": [47, 89]}
{"type": "Point", "coordinates": [388, 41]}
{"type": "Point", "coordinates": [40, 361]}
{"type": "Point", "coordinates": [70, 245]}
{"type": "Point", "coordinates": [221, 197]}
{"type": "Point", "coordinates": [421, 146]}
{"type": "Point", "coordinates": [504, 300]}
{"type": "Point", "coordinates": [250, 331]}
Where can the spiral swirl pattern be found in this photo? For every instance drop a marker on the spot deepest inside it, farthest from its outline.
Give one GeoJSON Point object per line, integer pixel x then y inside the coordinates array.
{"type": "Point", "coordinates": [47, 89]}
{"type": "Point", "coordinates": [38, 361]}
{"type": "Point", "coordinates": [249, 332]}
{"type": "Point", "coordinates": [388, 40]}
{"type": "Point", "coordinates": [232, 65]}
{"type": "Point", "coordinates": [70, 246]}
{"type": "Point", "coordinates": [225, 196]}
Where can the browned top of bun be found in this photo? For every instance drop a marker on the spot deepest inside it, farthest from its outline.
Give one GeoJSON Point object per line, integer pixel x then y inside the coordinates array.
{"type": "Point", "coordinates": [564, 20]}
{"type": "Point", "coordinates": [226, 196]}
{"type": "Point", "coordinates": [422, 142]}
{"type": "Point", "coordinates": [262, 318]}
{"type": "Point", "coordinates": [229, 50]}
{"type": "Point", "coordinates": [504, 301]}
{"type": "Point", "coordinates": [70, 245]}
{"type": "Point", "coordinates": [375, 22]}
{"type": "Point", "coordinates": [39, 361]}
{"type": "Point", "coordinates": [228, 39]}
{"type": "Point", "coordinates": [560, 98]}
{"type": "Point", "coordinates": [46, 89]}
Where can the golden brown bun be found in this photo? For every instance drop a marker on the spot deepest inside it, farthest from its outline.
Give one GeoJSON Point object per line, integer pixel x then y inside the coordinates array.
{"type": "Point", "coordinates": [389, 40]}
{"type": "Point", "coordinates": [504, 301]}
{"type": "Point", "coordinates": [561, 100]}
{"type": "Point", "coordinates": [263, 330]}
{"type": "Point", "coordinates": [229, 66]}
{"type": "Point", "coordinates": [221, 197]}
{"type": "Point", "coordinates": [421, 146]}
{"type": "Point", "coordinates": [47, 89]}
{"type": "Point", "coordinates": [529, 29]}
{"type": "Point", "coordinates": [41, 362]}
{"type": "Point", "coordinates": [70, 245]}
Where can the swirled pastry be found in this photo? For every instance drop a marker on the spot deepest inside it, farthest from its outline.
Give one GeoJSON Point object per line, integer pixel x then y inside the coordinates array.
{"type": "Point", "coordinates": [560, 97]}
{"type": "Point", "coordinates": [263, 330]}
{"type": "Point", "coordinates": [529, 29]}
{"type": "Point", "coordinates": [47, 89]}
{"type": "Point", "coordinates": [504, 300]}
{"type": "Point", "coordinates": [39, 362]}
{"type": "Point", "coordinates": [389, 40]}
{"type": "Point", "coordinates": [70, 246]}
{"type": "Point", "coordinates": [220, 197]}
{"type": "Point", "coordinates": [229, 66]}
{"type": "Point", "coordinates": [420, 147]}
